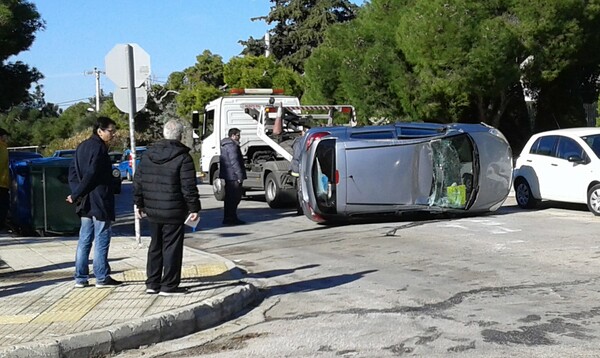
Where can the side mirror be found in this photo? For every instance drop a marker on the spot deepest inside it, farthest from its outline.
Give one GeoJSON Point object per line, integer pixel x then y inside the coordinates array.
{"type": "Point", "coordinates": [195, 119]}
{"type": "Point", "coordinates": [576, 159]}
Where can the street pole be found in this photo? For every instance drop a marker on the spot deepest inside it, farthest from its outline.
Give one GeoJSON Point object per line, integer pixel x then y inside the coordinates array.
{"type": "Point", "coordinates": [132, 110]}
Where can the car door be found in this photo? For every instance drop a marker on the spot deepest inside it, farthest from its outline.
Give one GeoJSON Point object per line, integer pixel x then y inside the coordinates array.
{"type": "Point", "coordinates": [567, 181]}
{"type": "Point", "coordinates": [541, 160]}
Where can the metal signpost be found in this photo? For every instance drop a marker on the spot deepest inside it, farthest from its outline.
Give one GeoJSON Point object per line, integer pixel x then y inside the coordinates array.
{"type": "Point", "coordinates": [128, 66]}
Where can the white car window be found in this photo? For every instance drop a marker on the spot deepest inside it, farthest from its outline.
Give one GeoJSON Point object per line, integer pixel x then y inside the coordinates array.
{"type": "Point", "coordinates": [544, 145]}
{"type": "Point", "coordinates": [567, 147]}
{"type": "Point", "coordinates": [594, 142]}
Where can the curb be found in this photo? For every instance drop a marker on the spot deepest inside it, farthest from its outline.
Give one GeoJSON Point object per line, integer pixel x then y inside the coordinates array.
{"type": "Point", "coordinates": [143, 331]}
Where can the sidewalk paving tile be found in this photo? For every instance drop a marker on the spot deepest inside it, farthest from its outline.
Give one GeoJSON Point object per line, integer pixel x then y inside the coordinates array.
{"type": "Point", "coordinates": [38, 300]}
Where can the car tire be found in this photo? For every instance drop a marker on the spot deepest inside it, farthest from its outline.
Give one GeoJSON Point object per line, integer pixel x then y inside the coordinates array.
{"type": "Point", "coordinates": [274, 195]}
{"type": "Point", "coordinates": [593, 199]}
{"type": "Point", "coordinates": [523, 194]}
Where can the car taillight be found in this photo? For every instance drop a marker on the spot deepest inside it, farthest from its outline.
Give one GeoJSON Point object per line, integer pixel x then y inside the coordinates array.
{"type": "Point", "coordinates": [337, 177]}
{"type": "Point", "coordinates": [130, 161]}
{"type": "Point", "coordinates": [314, 216]}
{"type": "Point", "coordinates": [313, 137]}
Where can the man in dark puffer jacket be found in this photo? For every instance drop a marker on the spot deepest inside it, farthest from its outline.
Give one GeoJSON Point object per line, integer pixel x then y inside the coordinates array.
{"type": "Point", "coordinates": [232, 169]}
{"type": "Point", "coordinates": [165, 190]}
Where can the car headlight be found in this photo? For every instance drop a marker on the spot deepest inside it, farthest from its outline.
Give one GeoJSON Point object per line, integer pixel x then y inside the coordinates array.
{"type": "Point", "coordinates": [116, 173]}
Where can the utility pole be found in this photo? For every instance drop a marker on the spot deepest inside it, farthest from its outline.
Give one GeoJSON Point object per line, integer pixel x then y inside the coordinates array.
{"type": "Point", "coordinates": [96, 72]}
{"type": "Point", "coordinates": [267, 44]}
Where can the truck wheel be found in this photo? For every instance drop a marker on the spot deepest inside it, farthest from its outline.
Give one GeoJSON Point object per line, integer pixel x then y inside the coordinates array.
{"type": "Point", "coordinates": [273, 193]}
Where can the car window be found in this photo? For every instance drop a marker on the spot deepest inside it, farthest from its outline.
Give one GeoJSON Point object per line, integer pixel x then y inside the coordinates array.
{"type": "Point", "coordinates": [544, 145]}
{"type": "Point", "coordinates": [373, 135]}
{"type": "Point", "coordinates": [568, 147]}
{"type": "Point", "coordinates": [594, 142]}
{"type": "Point", "coordinates": [115, 157]}
{"type": "Point", "coordinates": [324, 176]}
{"type": "Point", "coordinates": [416, 132]}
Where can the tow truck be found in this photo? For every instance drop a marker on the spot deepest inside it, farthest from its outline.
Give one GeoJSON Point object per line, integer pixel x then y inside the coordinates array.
{"type": "Point", "coordinates": [278, 125]}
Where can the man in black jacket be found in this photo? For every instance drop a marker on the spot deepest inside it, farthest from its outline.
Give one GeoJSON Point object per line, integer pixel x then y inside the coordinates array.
{"type": "Point", "coordinates": [165, 190]}
{"type": "Point", "coordinates": [233, 171]}
{"type": "Point", "coordinates": [91, 182]}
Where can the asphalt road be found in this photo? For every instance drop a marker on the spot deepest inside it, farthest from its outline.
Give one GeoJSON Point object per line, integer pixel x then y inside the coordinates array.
{"type": "Point", "coordinates": [513, 283]}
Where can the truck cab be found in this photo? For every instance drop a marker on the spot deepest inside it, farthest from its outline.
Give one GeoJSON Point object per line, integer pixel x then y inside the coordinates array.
{"type": "Point", "coordinates": [228, 112]}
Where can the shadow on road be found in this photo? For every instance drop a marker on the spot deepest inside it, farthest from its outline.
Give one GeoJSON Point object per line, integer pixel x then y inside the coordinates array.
{"type": "Point", "coordinates": [314, 284]}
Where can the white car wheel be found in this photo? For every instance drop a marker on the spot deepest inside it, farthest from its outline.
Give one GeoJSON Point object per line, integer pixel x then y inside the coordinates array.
{"type": "Point", "coordinates": [593, 200]}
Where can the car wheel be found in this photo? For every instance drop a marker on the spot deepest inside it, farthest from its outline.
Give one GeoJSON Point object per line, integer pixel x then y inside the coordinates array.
{"type": "Point", "coordinates": [523, 194]}
{"type": "Point", "coordinates": [273, 192]}
{"type": "Point", "coordinates": [593, 199]}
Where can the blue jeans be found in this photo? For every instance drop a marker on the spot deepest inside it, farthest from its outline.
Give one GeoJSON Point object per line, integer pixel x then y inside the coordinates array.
{"type": "Point", "coordinates": [92, 228]}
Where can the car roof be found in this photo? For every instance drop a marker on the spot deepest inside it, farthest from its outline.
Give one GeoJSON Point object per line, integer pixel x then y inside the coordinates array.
{"type": "Point", "coordinates": [427, 128]}
{"type": "Point", "coordinates": [577, 131]}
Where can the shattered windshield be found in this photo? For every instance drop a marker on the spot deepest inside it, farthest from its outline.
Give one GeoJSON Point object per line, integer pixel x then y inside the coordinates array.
{"type": "Point", "coordinates": [452, 172]}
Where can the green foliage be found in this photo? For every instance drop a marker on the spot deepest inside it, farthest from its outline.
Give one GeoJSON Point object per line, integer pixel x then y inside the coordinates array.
{"type": "Point", "coordinates": [443, 61]}
{"type": "Point", "coordinates": [300, 25]}
{"type": "Point", "coordinates": [110, 110]}
{"type": "Point", "coordinates": [195, 98]}
{"type": "Point", "coordinates": [357, 64]}
{"type": "Point", "coordinates": [261, 72]}
{"type": "Point", "coordinates": [464, 57]}
{"type": "Point", "coordinates": [208, 69]}
{"type": "Point", "coordinates": [430, 60]}
{"type": "Point", "coordinates": [19, 20]}
{"type": "Point", "coordinates": [563, 38]}
{"type": "Point", "coordinates": [253, 47]}
{"type": "Point", "coordinates": [241, 72]}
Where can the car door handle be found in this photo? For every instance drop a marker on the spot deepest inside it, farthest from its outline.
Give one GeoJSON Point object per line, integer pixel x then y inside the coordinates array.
{"type": "Point", "coordinates": [554, 165]}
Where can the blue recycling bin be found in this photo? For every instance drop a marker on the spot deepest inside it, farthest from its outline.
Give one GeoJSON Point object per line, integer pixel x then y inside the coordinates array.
{"type": "Point", "coordinates": [37, 197]}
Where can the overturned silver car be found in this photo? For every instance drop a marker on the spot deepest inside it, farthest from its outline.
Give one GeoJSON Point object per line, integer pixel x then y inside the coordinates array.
{"type": "Point", "coordinates": [358, 171]}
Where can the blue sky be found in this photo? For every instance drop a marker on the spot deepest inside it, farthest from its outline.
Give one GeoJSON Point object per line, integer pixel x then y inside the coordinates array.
{"type": "Point", "coordinates": [79, 34]}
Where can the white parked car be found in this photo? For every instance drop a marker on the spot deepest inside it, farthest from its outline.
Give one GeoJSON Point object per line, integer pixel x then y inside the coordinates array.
{"type": "Point", "coordinates": [560, 165]}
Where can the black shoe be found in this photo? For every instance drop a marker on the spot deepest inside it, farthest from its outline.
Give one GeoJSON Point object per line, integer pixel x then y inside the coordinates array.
{"type": "Point", "coordinates": [177, 291]}
{"type": "Point", "coordinates": [109, 282]}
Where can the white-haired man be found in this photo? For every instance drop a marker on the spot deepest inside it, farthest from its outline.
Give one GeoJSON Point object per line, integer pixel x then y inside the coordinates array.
{"type": "Point", "coordinates": [165, 190]}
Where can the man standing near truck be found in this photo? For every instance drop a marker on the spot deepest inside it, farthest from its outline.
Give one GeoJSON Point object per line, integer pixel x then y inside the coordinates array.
{"type": "Point", "coordinates": [232, 170]}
